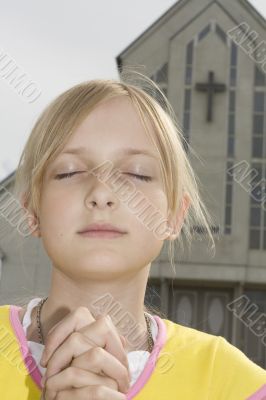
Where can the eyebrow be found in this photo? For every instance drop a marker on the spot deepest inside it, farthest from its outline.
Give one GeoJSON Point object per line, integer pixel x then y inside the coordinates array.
{"type": "Point", "coordinates": [126, 151]}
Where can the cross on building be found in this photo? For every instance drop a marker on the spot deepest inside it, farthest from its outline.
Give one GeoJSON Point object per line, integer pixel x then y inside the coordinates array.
{"type": "Point", "coordinates": [210, 88]}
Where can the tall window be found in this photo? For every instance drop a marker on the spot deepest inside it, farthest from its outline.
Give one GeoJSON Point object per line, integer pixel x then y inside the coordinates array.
{"type": "Point", "coordinates": [228, 200]}
{"type": "Point", "coordinates": [257, 216]}
{"type": "Point", "coordinates": [188, 91]}
{"type": "Point", "coordinates": [204, 32]}
{"type": "Point", "coordinates": [230, 138]}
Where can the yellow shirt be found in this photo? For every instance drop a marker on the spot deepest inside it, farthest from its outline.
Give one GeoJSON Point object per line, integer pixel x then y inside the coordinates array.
{"type": "Point", "coordinates": [185, 364]}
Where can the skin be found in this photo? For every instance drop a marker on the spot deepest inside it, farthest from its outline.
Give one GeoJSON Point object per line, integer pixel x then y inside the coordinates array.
{"type": "Point", "coordinates": [83, 269]}
{"type": "Point", "coordinates": [85, 358]}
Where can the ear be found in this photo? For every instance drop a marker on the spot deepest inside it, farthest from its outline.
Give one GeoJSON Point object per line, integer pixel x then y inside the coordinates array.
{"type": "Point", "coordinates": [176, 222]}
{"type": "Point", "coordinates": [31, 217]}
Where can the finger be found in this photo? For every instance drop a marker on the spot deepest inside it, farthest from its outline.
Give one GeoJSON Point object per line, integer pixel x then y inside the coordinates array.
{"type": "Point", "coordinates": [98, 360]}
{"type": "Point", "coordinates": [91, 392]}
{"type": "Point", "coordinates": [73, 377]}
{"type": "Point", "coordinates": [71, 323]}
{"type": "Point", "coordinates": [73, 346]}
{"type": "Point", "coordinates": [48, 396]}
{"type": "Point", "coordinates": [109, 339]}
{"type": "Point", "coordinates": [98, 334]}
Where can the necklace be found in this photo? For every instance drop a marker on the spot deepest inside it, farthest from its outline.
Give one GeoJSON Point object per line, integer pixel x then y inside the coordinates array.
{"type": "Point", "coordinates": [38, 320]}
{"type": "Point", "coordinates": [150, 338]}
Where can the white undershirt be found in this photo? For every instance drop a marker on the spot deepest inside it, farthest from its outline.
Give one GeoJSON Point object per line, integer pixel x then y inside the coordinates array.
{"type": "Point", "coordinates": [136, 359]}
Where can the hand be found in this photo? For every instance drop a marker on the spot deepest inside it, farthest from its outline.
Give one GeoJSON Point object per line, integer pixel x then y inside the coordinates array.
{"type": "Point", "coordinates": [99, 367]}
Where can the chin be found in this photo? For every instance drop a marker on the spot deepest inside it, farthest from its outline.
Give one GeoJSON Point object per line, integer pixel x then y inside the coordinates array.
{"type": "Point", "coordinates": [96, 261]}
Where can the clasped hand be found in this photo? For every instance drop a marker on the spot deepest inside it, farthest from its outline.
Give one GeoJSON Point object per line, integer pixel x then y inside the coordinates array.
{"type": "Point", "coordinates": [85, 359]}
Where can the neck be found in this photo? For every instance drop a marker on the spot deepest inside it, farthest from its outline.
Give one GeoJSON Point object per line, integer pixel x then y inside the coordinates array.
{"type": "Point", "coordinates": [122, 299]}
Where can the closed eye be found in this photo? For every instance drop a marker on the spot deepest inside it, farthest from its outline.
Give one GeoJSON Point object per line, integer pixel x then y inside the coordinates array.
{"type": "Point", "coordinates": [67, 175]}
{"type": "Point", "coordinates": [70, 174]}
{"type": "Point", "coordinates": [141, 177]}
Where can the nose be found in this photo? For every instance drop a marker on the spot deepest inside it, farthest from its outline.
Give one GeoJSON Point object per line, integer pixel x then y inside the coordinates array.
{"type": "Point", "coordinates": [100, 195]}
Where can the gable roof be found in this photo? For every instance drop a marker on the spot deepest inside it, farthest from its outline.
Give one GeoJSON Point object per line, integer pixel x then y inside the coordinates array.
{"type": "Point", "coordinates": [175, 9]}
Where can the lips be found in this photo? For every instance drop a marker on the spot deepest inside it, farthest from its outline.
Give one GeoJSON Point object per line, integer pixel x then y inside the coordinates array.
{"type": "Point", "coordinates": [102, 227]}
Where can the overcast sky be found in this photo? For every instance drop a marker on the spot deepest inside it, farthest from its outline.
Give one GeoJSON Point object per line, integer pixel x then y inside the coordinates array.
{"type": "Point", "coordinates": [61, 43]}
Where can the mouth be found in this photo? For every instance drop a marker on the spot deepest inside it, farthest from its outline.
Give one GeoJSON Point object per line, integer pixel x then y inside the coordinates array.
{"type": "Point", "coordinates": [102, 234]}
{"type": "Point", "coordinates": [98, 230]}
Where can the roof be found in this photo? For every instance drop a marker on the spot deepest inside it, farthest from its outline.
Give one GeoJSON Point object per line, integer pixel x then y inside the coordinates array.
{"type": "Point", "coordinates": [173, 10]}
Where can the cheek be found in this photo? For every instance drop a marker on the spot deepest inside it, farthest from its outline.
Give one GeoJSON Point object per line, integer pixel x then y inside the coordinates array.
{"type": "Point", "coordinates": [56, 210]}
{"type": "Point", "coordinates": [158, 201]}
{"type": "Point", "coordinates": [158, 224]}
{"type": "Point", "coordinates": [154, 211]}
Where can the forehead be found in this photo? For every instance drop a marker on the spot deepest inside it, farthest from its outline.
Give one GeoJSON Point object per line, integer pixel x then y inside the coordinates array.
{"type": "Point", "coordinates": [113, 122]}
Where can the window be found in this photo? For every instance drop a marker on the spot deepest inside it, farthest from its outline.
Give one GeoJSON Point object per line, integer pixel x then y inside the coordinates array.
{"type": "Point", "coordinates": [231, 138]}
{"type": "Point", "coordinates": [221, 33]}
{"type": "Point", "coordinates": [259, 77]}
{"type": "Point", "coordinates": [231, 128]}
{"type": "Point", "coordinates": [233, 64]}
{"type": "Point", "coordinates": [228, 200]}
{"type": "Point", "coordinates": [257, 215]}
{"type": "Point", "coordinates": [204, 32]}
{"type": "Point", "coordinates": [232, 107]}
{"type": "Point", "coordinates": [188, 92]}
{"type": "Point", "coordinates": [258, 150]}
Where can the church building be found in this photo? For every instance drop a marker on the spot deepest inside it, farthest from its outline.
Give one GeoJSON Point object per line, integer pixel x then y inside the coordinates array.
{"type": "Point", "coordinates": [209, 59]}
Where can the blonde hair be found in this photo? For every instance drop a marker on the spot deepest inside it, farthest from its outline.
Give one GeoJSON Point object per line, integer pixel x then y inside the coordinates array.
{"type": "Point", "coordinates": [62, 116]}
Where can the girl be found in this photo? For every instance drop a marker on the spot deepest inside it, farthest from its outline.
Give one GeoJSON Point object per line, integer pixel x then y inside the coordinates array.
{"type": "Point", "coordinates": [106, 181]}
